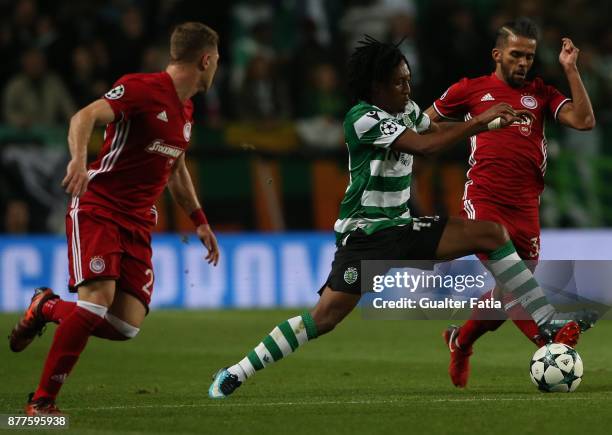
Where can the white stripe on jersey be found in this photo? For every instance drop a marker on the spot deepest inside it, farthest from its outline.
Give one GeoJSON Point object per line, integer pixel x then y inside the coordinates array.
{"type": "Point", "coordinates": [472, 162]}
{"type": "Point", "coordinates": [377, 198]}
{"type": "Point", "coordinates": [121, 145]}
{"type": "Point", "coordinates": [113, 147]}
{"type": "Point", "coordinates": [468, 183]}
{"type": "Point", "coordinates": [119, 139]}
{"type": "Point", "coordinates": [543, 147]}
{"type": "Point", "coordinates": [469, 209]}
{"type": "Point", "coordinates": [559, 107]}
{"type": "Point", "coordinates": [76, 247]}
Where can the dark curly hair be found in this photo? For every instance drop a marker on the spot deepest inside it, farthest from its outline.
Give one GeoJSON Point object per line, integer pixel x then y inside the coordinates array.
{"type": "Point", "coordinates": [372, 62]}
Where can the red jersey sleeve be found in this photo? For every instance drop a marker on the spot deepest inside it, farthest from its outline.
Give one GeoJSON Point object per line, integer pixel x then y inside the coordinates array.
{"type": "Point", "coordinates": [555, 99]}
{"type": "Point", "coordinates": [452, 103]}
{"type": "Point", "coordinates": [128, 97]}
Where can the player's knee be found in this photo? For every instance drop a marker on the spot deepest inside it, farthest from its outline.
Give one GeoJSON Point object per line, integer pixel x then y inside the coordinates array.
{"type": "Point", "coordinates": [494, 235]}
{"type": "Point", "coordinates": [326, 318]}
{"type": "Point", "coordinates": [100, 292]}
{"type": "Point", "coordinates": [126, 330]}
{"type": "Point", "coordinates": [500, 233]}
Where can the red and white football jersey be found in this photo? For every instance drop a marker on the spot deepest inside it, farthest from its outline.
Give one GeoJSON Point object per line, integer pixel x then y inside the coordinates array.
{"type": "Point", "coordinates": [507, 166]}
{"type": "Point", "coordinates": [152, 128]}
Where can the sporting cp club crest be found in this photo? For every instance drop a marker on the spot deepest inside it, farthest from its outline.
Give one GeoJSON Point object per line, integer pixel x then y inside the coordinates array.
{"type": "Point", "coordinates": [350, 275]}
{"type": "Point", "coordinates": [115, 93]}
{"type": "Point", "coordinates": [529, 102]}
{"type": "Point", "coordinates": [97, 265]}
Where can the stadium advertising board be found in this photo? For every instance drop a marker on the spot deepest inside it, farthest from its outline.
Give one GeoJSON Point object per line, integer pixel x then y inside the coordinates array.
{"type": "Point", "coordinates": [256, 270]}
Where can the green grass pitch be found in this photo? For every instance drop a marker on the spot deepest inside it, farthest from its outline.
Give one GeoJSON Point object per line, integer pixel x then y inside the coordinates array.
{"type": "Point", "coordinates": [364, 377]}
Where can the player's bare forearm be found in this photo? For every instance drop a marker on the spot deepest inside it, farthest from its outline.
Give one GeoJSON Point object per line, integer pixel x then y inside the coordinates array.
{"type": "Point", "coordinates": [438, 123]}
{"type": "Point", "coordinates": [435, 127]}
{"type": "Point", "coordinates": [82, 124]}
{"type": "Point", "coordinates": [182, 190]}
{"type": "Point", "coordinates": [429, 144]}
{"type": "Point", "coordinates": [498, 116]}
{"type": "Point", "coordinates": [578, 113]}
{"type": "Point", "coordinates": [181, 187]}
{"type": "Point", "coordinates": [79, 133]}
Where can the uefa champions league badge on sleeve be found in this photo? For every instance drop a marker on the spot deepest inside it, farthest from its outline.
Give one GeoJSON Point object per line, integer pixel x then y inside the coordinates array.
{"type": "Point", "coordinates": [388, 127]}
{"type": "Point", "coordinates": [115, 93]}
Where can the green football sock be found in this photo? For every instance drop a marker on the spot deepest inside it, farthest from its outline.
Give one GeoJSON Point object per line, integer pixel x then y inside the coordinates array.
{"type": "Point", "coordinates": [516, 280]}
{"type": "Point", "coordinates": [282, 341]}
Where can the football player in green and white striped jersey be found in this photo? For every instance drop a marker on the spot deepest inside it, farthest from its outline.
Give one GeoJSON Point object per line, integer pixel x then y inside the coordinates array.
{"type": "Point", "coordinates": [382, 133]}
{"type": "Point", "coordinates": [379, 188]}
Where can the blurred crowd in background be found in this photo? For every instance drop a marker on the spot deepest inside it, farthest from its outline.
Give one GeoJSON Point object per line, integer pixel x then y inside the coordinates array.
{"type": "Point", "coordinates": [267, 151]}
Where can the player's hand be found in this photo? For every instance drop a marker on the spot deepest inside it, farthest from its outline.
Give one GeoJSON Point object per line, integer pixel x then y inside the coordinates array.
{"type": "Point", "coordinates": [209, 240]}
{"type": "Point", "coordinates": [500, 115]}
{"type": "Point", "coordinates": [521, 115]}
{"type": "Point", "coordinates": [569, 53]}
{"type": "Point", "coordinates": [76, 179]}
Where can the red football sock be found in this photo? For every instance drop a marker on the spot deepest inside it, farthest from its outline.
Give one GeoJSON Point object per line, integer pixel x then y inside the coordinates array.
{"type": "Point", "coordinates": [54, 310]}
{"type": "Point", "coordinates": [481, 321]}
{"type": "Point", "coordinates": [108, 331]}
{"type": "Point", "coordinates": [69, 341]}
{"type": "Point", "coordinates": [525, 323]}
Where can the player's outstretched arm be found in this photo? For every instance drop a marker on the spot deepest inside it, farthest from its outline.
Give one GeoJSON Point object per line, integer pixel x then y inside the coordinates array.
{"type": "Point", "coordinates": [577, 113]}
{"type": "Point", "coordinates": [433, 115]}
{"type": "Point", "coordinates": [435, 127]}
{"type": "Point", "coordinates": [81, 126]}
{"type": "Point", "coordinates": [438, 122]}
{"type": "Point", "coordinates": [498, 116]}
{"type": "Point", "coordinates": [182, 190]}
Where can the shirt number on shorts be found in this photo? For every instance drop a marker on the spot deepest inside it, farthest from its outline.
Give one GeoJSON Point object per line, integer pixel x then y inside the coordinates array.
{"type": "Point", "coordinates": [535, 247]}
{"type": "Point", "coordinates": [147, 287]}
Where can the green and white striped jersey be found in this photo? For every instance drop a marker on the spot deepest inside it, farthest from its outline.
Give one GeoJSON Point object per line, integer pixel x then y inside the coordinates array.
{"type": "Point", "coordinates": [379, 187]}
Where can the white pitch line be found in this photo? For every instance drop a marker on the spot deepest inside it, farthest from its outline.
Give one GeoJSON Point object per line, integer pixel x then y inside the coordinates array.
{"type": "Point", "coordinates": [223, 403]}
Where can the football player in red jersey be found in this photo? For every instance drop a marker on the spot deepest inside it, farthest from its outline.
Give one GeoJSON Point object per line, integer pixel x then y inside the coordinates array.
{"type": "Point", "coordinates": [148, 120]}
{"type": "Point", "coordinates": [507, 166]}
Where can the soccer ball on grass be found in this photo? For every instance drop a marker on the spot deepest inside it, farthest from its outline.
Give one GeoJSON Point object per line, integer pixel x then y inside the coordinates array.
{"type": "Point", "coordinates": [556, 367]}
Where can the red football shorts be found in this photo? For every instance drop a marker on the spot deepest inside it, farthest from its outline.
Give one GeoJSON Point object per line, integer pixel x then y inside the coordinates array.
{"type": "Point", "coordinates": [102, 246]}
{"type": "Point", "coordinates": [523, 224]}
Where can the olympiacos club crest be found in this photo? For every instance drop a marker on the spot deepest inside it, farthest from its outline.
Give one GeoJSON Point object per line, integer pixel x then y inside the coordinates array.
{"type": "Point", "coordinates": [97, 265]}
{"type": "Point", "coordinates": [529, 102]}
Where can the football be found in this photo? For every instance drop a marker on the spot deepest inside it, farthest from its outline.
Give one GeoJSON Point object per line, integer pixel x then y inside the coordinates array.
{"type": "Point", "coordinates": [556, 367]}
